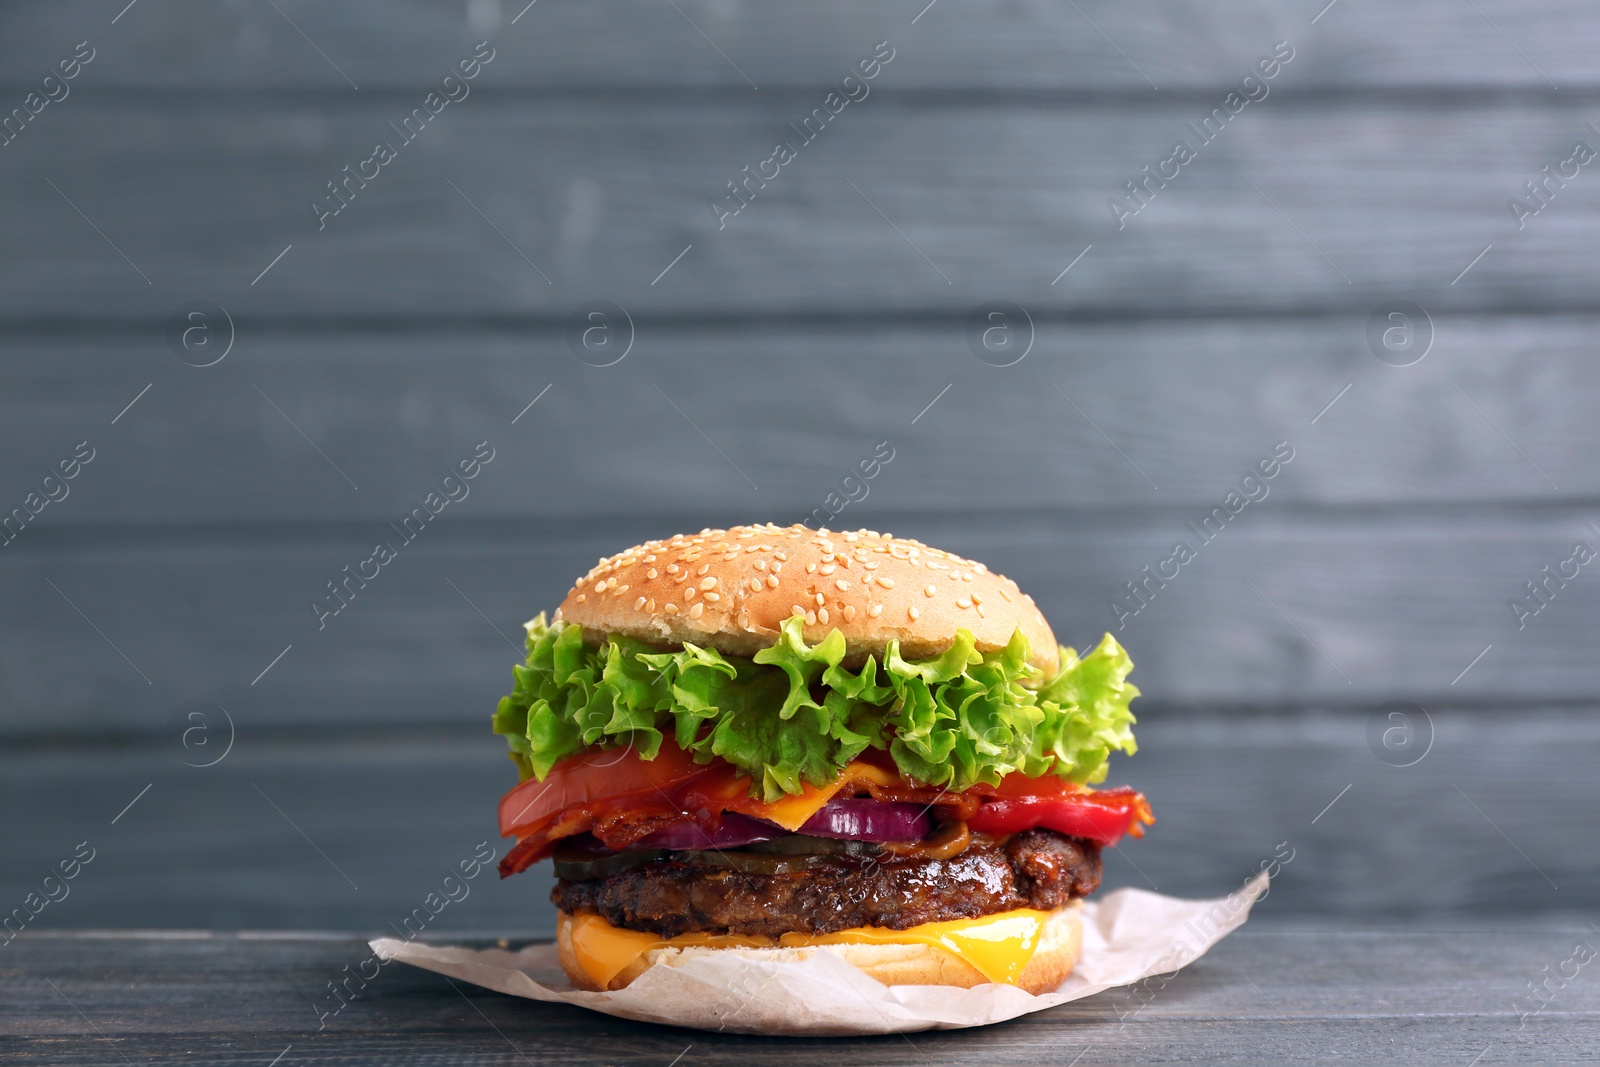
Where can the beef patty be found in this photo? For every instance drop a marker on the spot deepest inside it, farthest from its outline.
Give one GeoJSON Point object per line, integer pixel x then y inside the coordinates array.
{"type": "Point", "coordinates": [1034, 869]}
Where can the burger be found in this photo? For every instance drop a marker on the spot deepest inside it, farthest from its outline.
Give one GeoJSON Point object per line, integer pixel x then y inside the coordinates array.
{"type": "Point", "coordinates": [778, 741]}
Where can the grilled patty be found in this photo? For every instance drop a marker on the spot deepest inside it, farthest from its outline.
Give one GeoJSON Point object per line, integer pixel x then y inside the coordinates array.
{"type": "Point", "coordinates": [1034, 869]}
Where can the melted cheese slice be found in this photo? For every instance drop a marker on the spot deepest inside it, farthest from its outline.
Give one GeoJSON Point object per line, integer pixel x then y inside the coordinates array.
{"type": "Point", "coordinates": [792, 812]}
{"type": "Point", "coordinates": [998, 946]}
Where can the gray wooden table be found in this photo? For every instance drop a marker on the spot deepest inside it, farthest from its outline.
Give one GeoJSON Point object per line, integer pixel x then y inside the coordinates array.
{"type": "Point", "coordinates": [1280, 996]}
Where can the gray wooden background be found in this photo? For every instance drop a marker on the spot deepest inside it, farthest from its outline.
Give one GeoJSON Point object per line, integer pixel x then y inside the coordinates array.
{"type": "Point", "coordinates": [767, 358]}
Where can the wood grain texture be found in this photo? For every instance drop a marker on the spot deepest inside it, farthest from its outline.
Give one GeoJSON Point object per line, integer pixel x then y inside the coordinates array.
{"type": "Point", "coordinates": [830, 314]}
{"type": "Point", "coordinates": [1467, 832]}
{"type": "Point", "coordinates": [1353, 205]}
{"type": "Point", "coordinates": [569, 48]}
{"type": "Point", "coordinates": [1190, 406]}
{"type": "Point", "coordinates": [1296, 995]}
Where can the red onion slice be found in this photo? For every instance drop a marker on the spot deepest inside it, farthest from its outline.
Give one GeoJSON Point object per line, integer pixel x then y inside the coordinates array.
{"type": "Point", "coordinates": [865, 819]}
{"type": "Point", "coordinates": [735, 830]}
{"type": "Point", "coordinates": [845, 818]}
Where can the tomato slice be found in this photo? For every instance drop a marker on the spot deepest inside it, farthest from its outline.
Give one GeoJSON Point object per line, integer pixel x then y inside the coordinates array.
{"type": "Point", "coordinates": [1102, 817]}
{"type": "Point", "coordinates": [592, 776]}
{"type": "Point", "coordinates": [1049, 787]}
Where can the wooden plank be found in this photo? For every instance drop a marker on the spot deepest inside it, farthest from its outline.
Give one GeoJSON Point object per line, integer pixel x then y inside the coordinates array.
{"type": "Point", "coordinates": [561, 1036]}
{"type": "Point", "coordinates": [1280, 608]}
{"type": "Point", "coordinates": [1257, 998]}
{"type": "Point", "coordinates": [1360, 841]}
{"type": "Point", "coordinates": [602, 199]}
{"type": "Point", "coordinates": [568, 48]}
{"type": "Point", "coordinates": [220, 445]}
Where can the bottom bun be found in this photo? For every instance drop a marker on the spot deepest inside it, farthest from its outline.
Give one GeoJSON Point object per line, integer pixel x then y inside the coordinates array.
{"type": "Point", "coordinates": [1060, 943]}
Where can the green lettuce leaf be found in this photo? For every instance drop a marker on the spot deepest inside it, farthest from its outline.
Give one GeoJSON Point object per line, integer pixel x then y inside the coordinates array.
{"type": "Point", "coordinates": [794, 713]}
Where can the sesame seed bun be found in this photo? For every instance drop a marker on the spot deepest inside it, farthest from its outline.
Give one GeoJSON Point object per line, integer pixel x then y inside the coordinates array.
{"type": "Point", "coordinates": [730, 589]}
{"type": "Point", "coordinates": [1060, 944]}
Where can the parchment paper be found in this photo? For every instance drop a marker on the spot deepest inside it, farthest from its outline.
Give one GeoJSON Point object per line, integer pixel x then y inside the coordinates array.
{"type": "Point", "coordinates": [1128, 935]}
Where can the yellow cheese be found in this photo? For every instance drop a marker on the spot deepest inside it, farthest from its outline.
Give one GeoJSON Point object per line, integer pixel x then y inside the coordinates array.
{"type": "Point", "coordinates": [998, 946]}
{"type": "Point", "coordinates": [604, 950]}
{"type": "Point", "coordinates": [792, 812]}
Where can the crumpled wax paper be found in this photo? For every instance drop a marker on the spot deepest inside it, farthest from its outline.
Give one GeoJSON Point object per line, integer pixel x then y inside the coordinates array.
{"type": "Point", "coordinates": [1128, 935]}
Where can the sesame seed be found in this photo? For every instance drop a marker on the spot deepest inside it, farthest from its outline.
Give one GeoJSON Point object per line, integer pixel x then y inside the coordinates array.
{"type": "Point", "coordinates": [708, 582]}
{"type": "Point", "coordinates": [650, 605]}
{"type": "Point", "coordinates": [914, 613]}
{"type": "Point", "coordinates": [870, 566]}
{"type": "Point", "coordinates": [651, 573]}
{"type": "Point", "coordinates": [637, 604]}
{"type": "Point", "coordinates": [582, 597]}
{"type": "Point", "coordinates": [703, 568]}
{"type": "Point", "coordinates": [761, 564]}
{"type": "Point", "coordinates": [694, 612]}
{"type": "Point", "coordinates": [932, 589]}
{"type": "Point", "coordinates": [820, 601]}
{"type": "Point", "coordinates": [776, 567]}
{"type": "Point", "coordinates": [672, 609]}
{"type": "Point", "coordinates": [1005, 594]}
{"type": "Point", "coordinates": [981, 615]}
{"type": "Point", "coordinates": [811, 618]}
{"type": "Point", "coordinates": [650, 559]}
{"type": "Point", "coordinates": [772, 581]}
{"type": "Point", "coordinates": [755, 585]}
{"type": "Point", "coordinates": [822, 616]}
{"type": "Point", "coordinates": [713, 597]}
{"type": "Point", "coordinates": [796, 609]}
{"type": "Point", "coordinates": [887, 583]}
{"type": "Point", "coordinates": [780, 555]}
{"type": "Point", "coordinates": [875, 611]}
{"type": "Point", "coordinates": [827, 568]}
{"type": "Point", "coordinates": [623, 589]}
{"type": "Point", "coordinates": [811, 568]}
{"type": "Point", "coordinates": [849, 612]}
{"type": "Point", "coordinates": [964, 602]}
{"type": "Point", "coordinates": [688, 592]}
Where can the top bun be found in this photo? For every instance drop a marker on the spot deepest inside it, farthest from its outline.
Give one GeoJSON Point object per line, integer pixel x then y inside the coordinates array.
{"type": "Point", "coordinates": [730, 589]}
